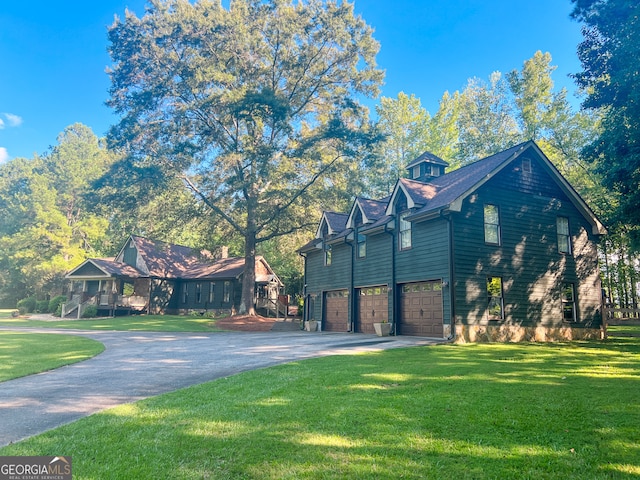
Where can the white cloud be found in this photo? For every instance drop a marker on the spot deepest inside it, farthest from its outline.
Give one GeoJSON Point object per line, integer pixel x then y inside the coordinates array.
{"type": "Point", "coordinates": [11, 120]}
{"type": "Point", "coordinates": [4, 155]}
{"type": "Point", "coordinates": [14, 120]}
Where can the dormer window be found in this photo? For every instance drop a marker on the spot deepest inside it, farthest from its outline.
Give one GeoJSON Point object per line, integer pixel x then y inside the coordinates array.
{"type": "Point", "coordinates": [415, 173]}
{"type": "Point", "coordinates": [358, 221]}
{"type": "Point", "coordinates": [362, 245]}
{"type": "Point", "coordinates": [327, 255]}
{"type": "Point", "coordinates": [404, 231]}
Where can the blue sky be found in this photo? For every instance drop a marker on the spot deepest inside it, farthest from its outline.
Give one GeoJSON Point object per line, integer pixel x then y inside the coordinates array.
{"type": "Point", "coordinates": [54, 55]}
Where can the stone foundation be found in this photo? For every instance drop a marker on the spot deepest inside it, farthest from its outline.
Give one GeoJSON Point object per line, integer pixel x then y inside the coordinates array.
{"type": "Point", "coordinates": [446, 330]}
{"type": "Point", "coordinates": [516, 333]}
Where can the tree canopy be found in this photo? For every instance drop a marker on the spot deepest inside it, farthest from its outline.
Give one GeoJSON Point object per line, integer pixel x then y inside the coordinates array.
{"type": "Point", "coordinates": [46, 225]}
{"type": "Point", "coordinates": [250, 106]}
{"type": "Point", "coordinates": [610, 55]}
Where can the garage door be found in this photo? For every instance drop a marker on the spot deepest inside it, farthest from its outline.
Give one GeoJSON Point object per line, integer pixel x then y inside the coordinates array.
{"type": "Point", "coordinates": [336, 311]}
{"type": "Point", "coordinates": [421, 309]}
{"type": "Point", "coordinates": [373, 307]}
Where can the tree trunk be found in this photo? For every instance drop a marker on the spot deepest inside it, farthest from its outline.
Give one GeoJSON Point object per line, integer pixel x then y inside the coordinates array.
{"type": "Point", "coordinates": [247, 303]}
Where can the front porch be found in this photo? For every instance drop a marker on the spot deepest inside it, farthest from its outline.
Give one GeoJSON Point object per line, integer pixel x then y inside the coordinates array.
{"type": "Point", "coordinates": [111, 297]}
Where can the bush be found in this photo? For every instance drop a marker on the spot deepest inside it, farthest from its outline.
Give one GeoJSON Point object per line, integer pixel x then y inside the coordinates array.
{"type": "Point", "coordinates": [55, 304]}
{"type": "Point", "coordinates": [90, 311]}
{"type": "Point", "coordinates": [27, 305]}
{"type": "Point", "coordinates": [42, 306]}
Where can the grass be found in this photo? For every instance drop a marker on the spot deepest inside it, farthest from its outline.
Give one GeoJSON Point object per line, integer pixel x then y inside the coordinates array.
{"type": "Point", "coordinates": [522, 411]}
{"type": "Point", "coordinates": [24, 354]}
{"type": "Point", "coordinates": [142, 323]}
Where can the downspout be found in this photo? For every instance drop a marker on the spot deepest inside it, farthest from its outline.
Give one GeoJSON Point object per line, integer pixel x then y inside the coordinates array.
{"type": "Point", "coordinates": [394, 303]}
{"type": "Point", "coordinates": [352, 299]}
{"type": "Point", "coordinates": [452, 275]}
{"type": "Point", "coordinates": [304, 289]}
{"type": "Point", "coordinates": [150, 292]}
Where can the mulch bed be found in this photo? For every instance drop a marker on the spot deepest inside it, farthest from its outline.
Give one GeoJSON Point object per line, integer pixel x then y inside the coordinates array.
{"type": "Point", "coordinates": [246, 323]}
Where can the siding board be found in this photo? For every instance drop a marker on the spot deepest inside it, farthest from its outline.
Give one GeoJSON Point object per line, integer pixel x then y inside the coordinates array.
{"type": "Point", "coordinates": [527, 259]}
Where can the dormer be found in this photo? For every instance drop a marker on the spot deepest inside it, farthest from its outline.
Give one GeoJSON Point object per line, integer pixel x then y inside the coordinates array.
{"type": "Point", "coordinates": [410, 195]}
{"type": "Point", "coordinates": [331, 224]}
{"type": "Point", "coordinates": [426, 167]}
{"type": "Point", "coordinates": [357, 216]}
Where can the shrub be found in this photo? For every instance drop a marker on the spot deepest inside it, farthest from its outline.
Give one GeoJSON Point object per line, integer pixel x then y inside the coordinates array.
{"type": "Point", "coordinates": [27, 305]}
{"type": "Point", "coordinates": [42, 306]}
{"type": "Point", "coordinates": [90, 311]}
{"type": "Point", "coordinates": [55, 304]}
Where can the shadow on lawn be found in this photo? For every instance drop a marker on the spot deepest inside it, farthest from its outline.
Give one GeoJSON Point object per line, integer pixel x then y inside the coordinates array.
{"type": "Point", "coordinates": [471, 411]}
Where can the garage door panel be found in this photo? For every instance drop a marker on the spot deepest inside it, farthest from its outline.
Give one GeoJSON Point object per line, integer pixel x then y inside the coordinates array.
{"type": "Point", "coordinates": [421, 309]}
{"type": "Point", "coordinates": [336, 314]}
{"type": "Point", "coordinates": [373, 307]}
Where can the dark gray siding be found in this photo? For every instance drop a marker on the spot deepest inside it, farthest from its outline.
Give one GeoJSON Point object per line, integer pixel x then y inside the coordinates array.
{"type": "Point", "coordinates": [322, 277]}
{"type": "Point", "coordinates": [528, 261]}
{"type": "Point", "coordinates": [163, 296]}
{"type": "Point", "coordinates": [427, 259]}
{"type": "Point", "coordinates": [203, 303]}
{"type": "Point", "coordinates": [376, 268]}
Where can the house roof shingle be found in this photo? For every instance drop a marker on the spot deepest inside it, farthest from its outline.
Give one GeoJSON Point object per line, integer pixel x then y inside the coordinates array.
{"type": "Point", "coordinates": [448, 190]}
{"type": "Point", "coordinates": [169, 261]}
{"type": "Point", "coordinates": [373, 209]}
{"type": "Point", "coordinates": [428, 157]}
{"type": "Point", "coordinates": [113, 268]}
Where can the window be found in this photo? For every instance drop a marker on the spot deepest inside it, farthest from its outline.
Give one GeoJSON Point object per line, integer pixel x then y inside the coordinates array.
{"type": "Point", "coordinates": [327, 255]}
{"type": "Point", "coordinates": [416, 172]}
{"type": "Point", "coordinates": [495, 307]}
{"type": "Point", "coordinates": [185, 293]}
{"type": "Point", "coordinates": [212, 292]}
{"type": "Point", "coordinates": [198, 292]}
{"type": "Point", "coordinates": [226, 292]}
{"type": "Point", "coordinates": [568, 302]}
{"type": "Point", "coordinates": [404, 232]}
{"type": "Point", "coordinates": [491, 225]}
{"type": "Point", "coordinates": [362, 246]}
{"type": "Point", "coordinates": [564, 239]}
{"type": "Point", "coordinates": [526, 165]}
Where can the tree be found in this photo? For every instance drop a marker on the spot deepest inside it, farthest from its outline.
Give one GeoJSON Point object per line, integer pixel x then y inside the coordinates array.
{"type": "Point", "coordinates": [46, 226]}
{"type": "Point", "coordinates": [533, 95]}
{"type": "Point", "coordinates": [250, 106]}
{"type": "Point", "coordinates": [404, 124]}
{"type": "Point", "coordinates": [486, 123]}
{"type": "Point", "coordinates": [610, 55]}
{"type": "Point", "coordinates": [409, 130]}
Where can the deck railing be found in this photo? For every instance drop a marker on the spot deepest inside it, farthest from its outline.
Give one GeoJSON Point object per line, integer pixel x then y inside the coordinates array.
{"type": "Point", "coordinates": [273, 306]}
{"type": "Point", "coordinates": [621, 316]}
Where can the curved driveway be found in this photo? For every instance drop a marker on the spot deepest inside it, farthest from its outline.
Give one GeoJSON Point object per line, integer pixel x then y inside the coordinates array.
{"type": "Point", "coordinates": [137, 365]}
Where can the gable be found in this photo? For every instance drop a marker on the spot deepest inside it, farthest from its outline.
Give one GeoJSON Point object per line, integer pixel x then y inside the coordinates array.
{"type": "Point", "coordinates": [331, 224]}
{"type": "Point", "coordinates": [87, 269]}
{"type": "Point", "coordinates": [357, 216]}
{"type": "Point", "coordinates": [531, 181]}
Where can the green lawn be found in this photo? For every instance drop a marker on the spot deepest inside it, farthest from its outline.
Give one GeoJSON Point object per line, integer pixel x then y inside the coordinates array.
{"type": "Point", "coordinates": [27, 353]}
{"type": "Point", "coordinates": [147, 323]}
{"type": "Point", "coordinates": [521, 411]}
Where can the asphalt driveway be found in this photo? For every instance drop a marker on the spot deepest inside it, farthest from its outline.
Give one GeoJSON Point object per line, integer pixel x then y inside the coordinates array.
{"type": "Point", "coordinates": [137, 365]}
